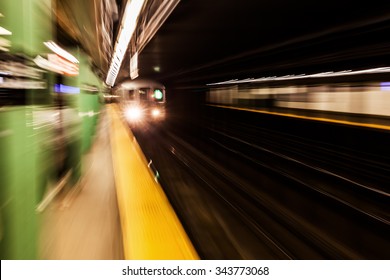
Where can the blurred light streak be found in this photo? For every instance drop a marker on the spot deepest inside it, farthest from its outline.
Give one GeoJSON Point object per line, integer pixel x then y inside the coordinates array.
{"type": "Point", "coordinates": [60, 51]}
{"type": "Point", "coordinates": [304, 76]}
{"type": "Point", "coordinates": [385, 86]}
{"type": "Point", "coordinates": [17, 69]}
{"type": "Point", "coordinates": [4, 31]}
{"type": "Point", "coordinates": [52, 193]}
{"type": "Point", "coordinates": [60, 88]}
{"type": "Point", "coordinates": [368, 98]}
{"type": "Point", "coordinates": [69, 68]}
{"type": "Point", "coordinates": [4, 44]}
{"type": "Point", "coordinates": [128, 25]}
{"type": "Point", "coordinates": [48, 65]}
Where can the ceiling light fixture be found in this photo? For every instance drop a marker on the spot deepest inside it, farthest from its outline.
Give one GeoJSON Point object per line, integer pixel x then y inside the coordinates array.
{"type": "Point", "coordinates": [128, 25]}
{"type": "Point", "coordinates": [4, 31]}
{"type": "Point", "coordinates": [60, 51]}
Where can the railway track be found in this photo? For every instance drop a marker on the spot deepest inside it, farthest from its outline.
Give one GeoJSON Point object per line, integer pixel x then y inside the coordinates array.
{"type": "Point", "coordinates": [287, 208]}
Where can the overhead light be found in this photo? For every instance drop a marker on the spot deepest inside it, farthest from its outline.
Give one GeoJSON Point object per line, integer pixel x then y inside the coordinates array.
{"type": "Point", "coordinates": [128, 25]}
{"type": "Point", "coordinates": [134, 66]}
{"type": "Point", "coordinates": [48, 65]}
{"type": "Point", "coordinates": [4, 31]}
{"type": "Point", "coordinates": [69, 68]}
{"type": "Point", "coordinates": [60, 51]}
{"type": "Point", "coordinates": [60, 88]}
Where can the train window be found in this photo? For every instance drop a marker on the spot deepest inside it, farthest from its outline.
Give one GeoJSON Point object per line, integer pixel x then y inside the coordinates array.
{"type": "Point", "coordinates": [143, 93]}
{"type": "Point", "coordinates": [131, 94]}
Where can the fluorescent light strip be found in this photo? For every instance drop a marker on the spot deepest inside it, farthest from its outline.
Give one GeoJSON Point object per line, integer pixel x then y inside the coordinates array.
{"type": "Point", "coordinates": [60, 51]}
{"type": "Point", "coordinates": [304, 76]}
{"type": "Point", "coordinates": [67, 67]}
{"type": "Point", "coordinates": [129, 23]}
{"type": "Point", "coordinates": [48, 65]}
{"type": "Point", "coordinates": [4, 31]}
{"type": "Point", "coordinates": [60, 88]}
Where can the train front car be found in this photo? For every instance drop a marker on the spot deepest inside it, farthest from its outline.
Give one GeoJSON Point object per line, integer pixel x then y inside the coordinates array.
{"type": "Point", "coordinates": [142, 101]}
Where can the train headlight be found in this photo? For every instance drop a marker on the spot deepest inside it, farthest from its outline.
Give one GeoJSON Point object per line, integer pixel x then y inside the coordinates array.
{"type": "Point", "coordinates": [134, 113]}
{"type": "Point", "coordinates": [156, 113]}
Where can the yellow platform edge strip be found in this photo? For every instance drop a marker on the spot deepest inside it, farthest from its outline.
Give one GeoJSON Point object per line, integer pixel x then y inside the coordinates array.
{"type": "Point", "coordinates": [151, 229]}
{"type": "Point", "coordinates": [370, 125]}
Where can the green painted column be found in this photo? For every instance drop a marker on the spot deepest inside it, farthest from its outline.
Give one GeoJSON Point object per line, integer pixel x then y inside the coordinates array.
{"type": "Point", "coordinates": [89, 104]}
{"type": "Point", "coordinates": [73, 124]}
{"type": "Point", "coordinates": [19, 222]}
{"type": "Point", "coordinates": [88, 107]}
{"type": "Point", "coordinates": [30, 22]}
{"type": "Point", "coordinates": [24, 161]}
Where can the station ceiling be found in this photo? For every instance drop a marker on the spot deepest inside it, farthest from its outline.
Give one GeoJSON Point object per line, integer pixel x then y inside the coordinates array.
{"type": "Point", "coordinates": [204, 41]}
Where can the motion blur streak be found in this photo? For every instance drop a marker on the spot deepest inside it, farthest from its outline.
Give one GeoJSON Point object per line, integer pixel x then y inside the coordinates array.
{"type": "Point", "coordinates": [82, 223]}
{"type": "Point", "coordinates": [366, 98]}
{"type": "Point", "coordinates": [274, 186]}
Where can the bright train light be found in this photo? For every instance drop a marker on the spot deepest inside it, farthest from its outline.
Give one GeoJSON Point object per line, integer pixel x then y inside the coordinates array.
{"type": "Point", "coordinates": [133, 114]}
{"type": "Point", "coordinates": [156, 113]}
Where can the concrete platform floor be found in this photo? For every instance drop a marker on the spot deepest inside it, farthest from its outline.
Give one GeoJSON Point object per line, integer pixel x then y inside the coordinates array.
{"type": "Point", "coordinates": [84, 224]}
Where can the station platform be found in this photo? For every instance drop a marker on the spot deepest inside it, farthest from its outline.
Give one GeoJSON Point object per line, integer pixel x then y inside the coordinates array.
{"type": "Point", "coordinates": [118, 210]}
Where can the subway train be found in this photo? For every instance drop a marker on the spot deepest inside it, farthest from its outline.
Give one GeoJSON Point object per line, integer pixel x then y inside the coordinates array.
{"type": "Point", "coordinates": [141, 100]}
{"type": "Point", "coordinates": [359, 98]}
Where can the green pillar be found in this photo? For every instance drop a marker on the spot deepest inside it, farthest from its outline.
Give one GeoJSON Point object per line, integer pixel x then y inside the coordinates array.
{"type": "Point", "coordinates": [22, 165]}
{"type": "Point", "coordinates": [73, 124]}
{"type": "Point", "coordinates": [30, 22]}
{"type": "Point", "coordinates": [18, 194]}
{"type": "Point", "coordinates": [89, 104]}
